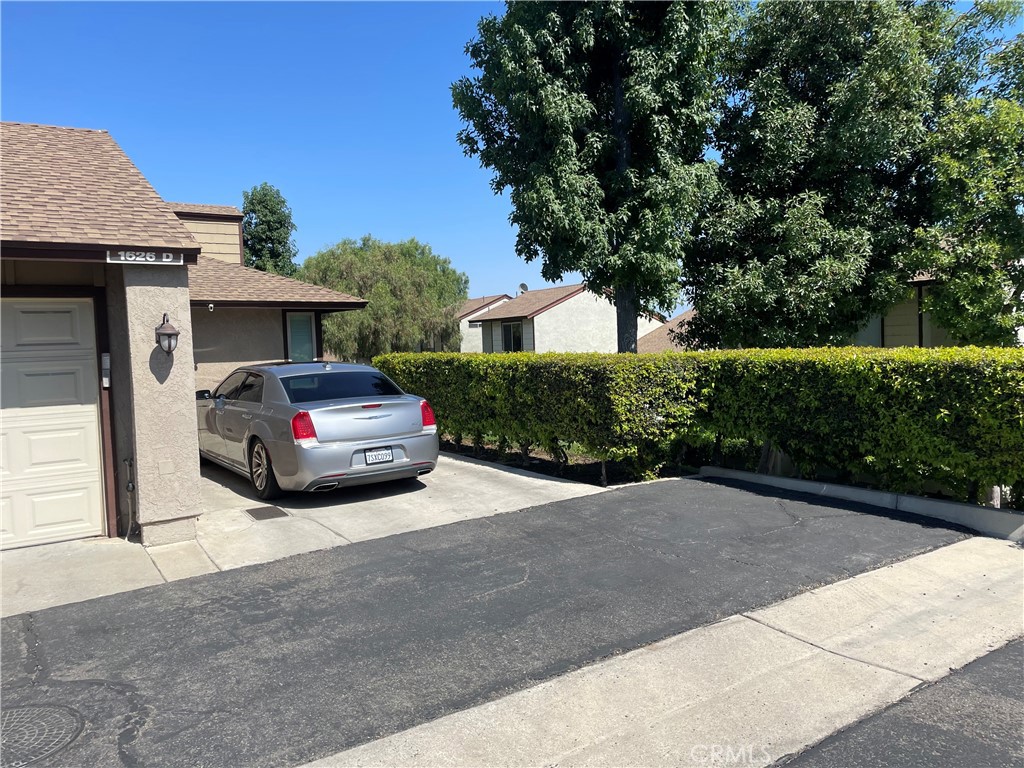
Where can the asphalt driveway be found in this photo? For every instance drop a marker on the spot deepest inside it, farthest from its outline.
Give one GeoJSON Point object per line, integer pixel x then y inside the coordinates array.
{"type": "Point", "coordinates": [293, 660]}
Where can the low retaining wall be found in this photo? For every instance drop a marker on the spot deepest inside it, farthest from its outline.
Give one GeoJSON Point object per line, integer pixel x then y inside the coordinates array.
{"type": "Point", "coordinates": [989, 521]}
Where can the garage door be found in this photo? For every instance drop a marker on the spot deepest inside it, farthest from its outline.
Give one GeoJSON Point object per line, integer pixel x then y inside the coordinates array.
{"type": "Point", "coordinates": [51, 468]}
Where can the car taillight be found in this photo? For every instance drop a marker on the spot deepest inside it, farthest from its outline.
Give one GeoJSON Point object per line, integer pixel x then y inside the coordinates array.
{"type": "Point", "coordinates": [302, 426]}
{"type": "Point", "coordinates": [428, 414]}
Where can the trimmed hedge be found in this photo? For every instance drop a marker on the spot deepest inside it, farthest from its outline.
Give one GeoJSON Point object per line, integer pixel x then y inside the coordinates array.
{"type": "Point", "coordinates": [953, 416]}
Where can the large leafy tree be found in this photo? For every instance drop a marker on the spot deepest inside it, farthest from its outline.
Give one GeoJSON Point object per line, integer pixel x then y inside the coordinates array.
{"type": "Point", "coordinates": [413, 296]}
{"type": "Point", "coordinates": [975, 246]}
{"type": "Point", "coordinates": [595, 116]}
{"type": "Point", "coordinates": [809, 231]}
{"type": "Point", "coordinates": [267, 229]}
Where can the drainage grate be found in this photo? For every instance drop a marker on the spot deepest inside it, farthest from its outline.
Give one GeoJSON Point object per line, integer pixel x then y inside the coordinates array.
{"type": "Point", "coordinates": [265, 513]}
{"type": "Point", "coordinates": [28, 734]}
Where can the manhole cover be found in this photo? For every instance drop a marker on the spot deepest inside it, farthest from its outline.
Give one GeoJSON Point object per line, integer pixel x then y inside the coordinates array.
{"type": "Point", "coordinates": [28, 734]}
{"type": "Point", "coordinates": [265, 513]}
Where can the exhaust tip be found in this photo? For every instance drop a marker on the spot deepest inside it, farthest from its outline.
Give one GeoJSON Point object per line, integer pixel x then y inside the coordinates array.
{"type": "Point", "coordinates": [423, 472]}
{"type": "Point", "coordinates": [325, 487]}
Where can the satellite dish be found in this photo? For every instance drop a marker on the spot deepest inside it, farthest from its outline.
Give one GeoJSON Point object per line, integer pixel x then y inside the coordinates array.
{"type": "Point", "coordinates": [524, 287]}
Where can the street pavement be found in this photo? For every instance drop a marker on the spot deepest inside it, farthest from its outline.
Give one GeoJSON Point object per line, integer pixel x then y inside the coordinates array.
{"type": "Point", "coordinates": [290, 661]}
{"type": "Point", "coordinates": [974, 717]}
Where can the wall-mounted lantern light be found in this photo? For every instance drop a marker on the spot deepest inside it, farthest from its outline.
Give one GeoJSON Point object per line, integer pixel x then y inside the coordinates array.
{"type": "Point", "coordinates": [167, 335]}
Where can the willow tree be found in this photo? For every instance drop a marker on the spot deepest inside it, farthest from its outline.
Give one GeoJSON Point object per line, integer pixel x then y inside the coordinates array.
{"type": "Point", "coordinates": [595, 116]}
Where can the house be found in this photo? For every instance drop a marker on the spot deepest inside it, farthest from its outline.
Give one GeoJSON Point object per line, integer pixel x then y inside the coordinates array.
{"type": "Point", "coordinates": [98, 420]}
{"type": "Point", "coordinates": [566, 318]}
{"type": "Point", "coordinates": [906, 325]}
{"type": "Point", "coordinates": [472, 338]}
{"type": "Point", "coordinates": [242, 315]}
{"type": "Point", "coordinates": [660, 339]}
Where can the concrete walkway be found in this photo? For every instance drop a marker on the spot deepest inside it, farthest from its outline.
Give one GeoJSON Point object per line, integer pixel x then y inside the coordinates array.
{"type": "Point", "coordinates": [748, 690]}
{"type": "Point", "coordinates": [228, 536]}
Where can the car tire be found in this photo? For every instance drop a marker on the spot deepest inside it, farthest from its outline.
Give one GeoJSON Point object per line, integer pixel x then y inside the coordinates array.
{"type": "Point", "coordinates": [261, 471]}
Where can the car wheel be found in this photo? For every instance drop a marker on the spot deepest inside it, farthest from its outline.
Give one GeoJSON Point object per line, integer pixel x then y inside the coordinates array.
{"type": "Point", "coordinates": [261, 471]}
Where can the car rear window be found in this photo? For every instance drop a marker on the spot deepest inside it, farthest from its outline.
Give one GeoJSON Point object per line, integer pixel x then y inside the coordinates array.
{"type": "Point", "coordinates": [338, 386]}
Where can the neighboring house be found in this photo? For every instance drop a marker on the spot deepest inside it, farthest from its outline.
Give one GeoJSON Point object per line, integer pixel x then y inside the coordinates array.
{"type": "Point", "coordinates": [566, 318]}
{"type": "Point", "coordinates": [906, 325]}
{"type": "Point", "coordinates": [472, 336]}
{"type": "Point", "coordinates": [242, 315]}
{"type": "Point", "coordinates": [98, 422]}
{"type": "Point", "coordinates": [660, 339]}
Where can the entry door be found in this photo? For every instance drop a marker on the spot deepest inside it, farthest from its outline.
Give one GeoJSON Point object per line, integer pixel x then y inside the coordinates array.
{"type": "Point", "coordinates": [51, 466]}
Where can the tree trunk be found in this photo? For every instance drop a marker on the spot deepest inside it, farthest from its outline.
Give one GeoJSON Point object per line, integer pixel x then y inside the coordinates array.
{"type": "Point", "coordinates": [625, 294]}
{"type": "Point", "coordinates": [625, 318]}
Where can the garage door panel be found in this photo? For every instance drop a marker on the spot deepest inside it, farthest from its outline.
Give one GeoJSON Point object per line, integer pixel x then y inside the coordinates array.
{"type": "Point", "coordinates": [62, 511]}
{"type": "Point", "coordinates": [46, 384]}
{"type": "Point", "coordinates": [33, 325]}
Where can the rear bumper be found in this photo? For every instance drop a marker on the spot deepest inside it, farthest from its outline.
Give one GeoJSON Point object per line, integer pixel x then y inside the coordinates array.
{"type": "Point", "coordinates": [332, 465]}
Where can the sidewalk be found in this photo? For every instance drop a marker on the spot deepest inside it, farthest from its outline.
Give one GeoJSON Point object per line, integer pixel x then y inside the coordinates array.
{"type": "Point", "coordinates": [749, 690]}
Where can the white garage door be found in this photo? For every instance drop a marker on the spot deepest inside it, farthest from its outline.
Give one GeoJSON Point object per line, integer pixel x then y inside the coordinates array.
{"type": "Point", "coordinates": [51, 467]}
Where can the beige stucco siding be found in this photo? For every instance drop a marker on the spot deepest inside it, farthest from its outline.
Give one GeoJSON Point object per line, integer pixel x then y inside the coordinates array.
{"type": "Point", "coordinates": [228, 337]}
{"type": "Point", "coordinates": [472, 338]}
{"type": "Point", "coordinates": [218, 239]}
{"type": "Point", "coordinates": [584, 323]}
{"type": "Point", "coordinates": [163, 398]}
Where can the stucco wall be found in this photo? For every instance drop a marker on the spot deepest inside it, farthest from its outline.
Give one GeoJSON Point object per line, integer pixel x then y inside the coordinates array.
{"type": "Point", "coordinates": [584, 323]}
{"type": "Point", "coordinates": [472, 338]}
{"type": "Point", "coordinates": [229, 337]}
{"type": "Point", "coordinates": [900, 324]}
{"type": "Point", "coordinates": [218, 239]}
{"type": "Point", "coordinates": [164, 412]}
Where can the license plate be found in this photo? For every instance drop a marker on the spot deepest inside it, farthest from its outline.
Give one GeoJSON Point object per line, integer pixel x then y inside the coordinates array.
{"type": "Point", "coordinates": [379, 455]}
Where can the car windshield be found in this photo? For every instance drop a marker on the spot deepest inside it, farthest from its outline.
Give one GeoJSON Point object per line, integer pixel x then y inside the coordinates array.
{"type": "Point", "coordinates": [339, 385]}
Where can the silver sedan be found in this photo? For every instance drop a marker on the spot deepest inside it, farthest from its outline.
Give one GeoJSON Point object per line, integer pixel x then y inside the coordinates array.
{"type": "Point", "coordinates": [315, 427]}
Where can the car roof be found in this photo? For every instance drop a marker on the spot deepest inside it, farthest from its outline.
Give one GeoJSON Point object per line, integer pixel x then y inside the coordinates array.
{"type": "Point", "coordinates": [286, 368]}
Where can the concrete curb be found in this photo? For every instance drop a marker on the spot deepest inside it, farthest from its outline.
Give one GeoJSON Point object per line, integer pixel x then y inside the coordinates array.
{"type": "Point", "coordinates": [989, 521]}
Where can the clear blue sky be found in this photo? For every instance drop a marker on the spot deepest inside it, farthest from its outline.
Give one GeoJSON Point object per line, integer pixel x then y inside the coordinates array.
{"type": "Point", "coordinates": [345, 107]}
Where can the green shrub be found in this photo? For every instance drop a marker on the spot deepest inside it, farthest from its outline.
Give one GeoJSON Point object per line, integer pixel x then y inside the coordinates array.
{"type": "Point", "coordinates": [623, 407]}
{"type": "Point", "coordinates": [908, 417]}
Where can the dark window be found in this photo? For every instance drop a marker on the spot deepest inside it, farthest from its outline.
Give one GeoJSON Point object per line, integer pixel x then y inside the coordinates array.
{"type": "Point", "coordinates": [229, 385]}
{"type": "Point", "coordinates": [512, 337]}
{"type": "Point", "coordinates": [338, 386]}
{"type": "Point", "coordinates": [251, 391]}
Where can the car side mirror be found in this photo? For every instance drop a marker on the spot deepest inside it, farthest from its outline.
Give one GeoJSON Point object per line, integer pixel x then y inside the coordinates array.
{"type": "Point", "coordinates": [203, 394]}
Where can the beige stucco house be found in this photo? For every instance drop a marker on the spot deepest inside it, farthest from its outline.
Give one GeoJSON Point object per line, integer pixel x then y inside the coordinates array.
{"type": "Point", "coordinates": [566, 318]}
{"type": "Point", "coordinates": [242, 315]}
{"type": "Point", "coordinates": [97, 421]}
{"type": "Point", "coordinates": [469, 326]}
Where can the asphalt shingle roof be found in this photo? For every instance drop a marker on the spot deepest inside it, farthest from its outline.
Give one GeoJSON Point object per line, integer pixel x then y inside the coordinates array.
{"type": "Point", "coordinates": [660, 340]}
{"type": "Point", "coordinates": [74, 186]}
{"type": "Point", "coordinates": [469, 306]}
{"type": "Point", "coordinates": [212, 281]}
{"type": "Point", "coordinates": [531, 303]}
{"type": "Point", "coordinates": [202, 208]}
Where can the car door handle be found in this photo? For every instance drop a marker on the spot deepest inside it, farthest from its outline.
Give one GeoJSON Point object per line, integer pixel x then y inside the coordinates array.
{"type": "Point", "coordinates": [246, 415]}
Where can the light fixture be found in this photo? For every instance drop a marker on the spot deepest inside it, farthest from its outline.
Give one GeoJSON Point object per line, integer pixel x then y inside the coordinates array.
{"type": "Point", "coordinates": [167, 335]}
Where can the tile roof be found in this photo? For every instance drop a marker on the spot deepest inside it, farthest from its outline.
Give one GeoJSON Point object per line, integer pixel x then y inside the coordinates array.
{"type": "Point", "coordinates": [77, 187]}
{"type": "Point", "coordinates": [209, 210]}
{"type": "Point", "coordinates": [659, 339]}
{"type": "Point", "coordinates": [469, 306]}
{"type": "Point", "coordinates": [532, 303]}
{"type": "Point", "coordinates": [211, 281]}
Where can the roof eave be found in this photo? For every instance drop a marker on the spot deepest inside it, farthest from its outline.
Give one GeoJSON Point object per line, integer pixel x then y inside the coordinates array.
{"type": "Point", "coordinates": [67, 251]}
